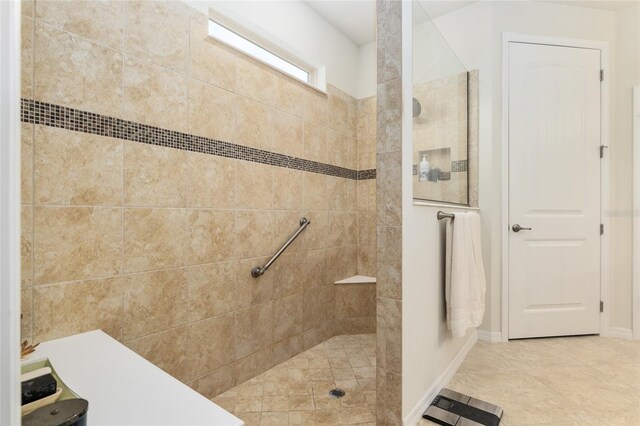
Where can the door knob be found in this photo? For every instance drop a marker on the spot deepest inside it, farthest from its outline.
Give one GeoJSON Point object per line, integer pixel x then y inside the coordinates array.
{"type": "Point", "coordinates": [518, 228]}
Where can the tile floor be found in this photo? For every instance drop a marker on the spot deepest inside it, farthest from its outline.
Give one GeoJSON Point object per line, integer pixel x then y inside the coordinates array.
{"type": "Point", "coordinates": [586, 380]}
{"type": "Point", "coordinates": [296, 392]}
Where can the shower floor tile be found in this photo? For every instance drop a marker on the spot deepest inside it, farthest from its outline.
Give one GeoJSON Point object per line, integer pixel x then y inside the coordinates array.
{"type": "Point", "coordinates": [586, 380]}
{"type": "Point", "coordinates": [296, 392]}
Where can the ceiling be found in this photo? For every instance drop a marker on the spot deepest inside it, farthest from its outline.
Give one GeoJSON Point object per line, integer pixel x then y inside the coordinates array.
{"type": "Point", "coordinates": [602, 4]}
{"type": "Point", "coordinates": [356, 19]}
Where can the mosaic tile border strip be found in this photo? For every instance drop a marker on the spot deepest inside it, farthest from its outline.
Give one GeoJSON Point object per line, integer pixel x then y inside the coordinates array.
{"type": "Point", "coordinates": [459, 166]}
{"type": "Point", "coordinates": [52, 115]}
{"type": "Point", "coordinates": [456, 167]}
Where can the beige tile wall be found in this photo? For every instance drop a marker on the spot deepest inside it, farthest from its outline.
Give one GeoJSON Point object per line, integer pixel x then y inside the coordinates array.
{"type": "Point", "coordinates": [154, 245]}
{"type": "Point", "coordinates": [389, 214]}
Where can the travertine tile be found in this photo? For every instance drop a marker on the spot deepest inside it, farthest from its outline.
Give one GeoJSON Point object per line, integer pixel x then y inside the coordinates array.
{"type": "Point", "coordinates": [367, 257]}
{"type": "Point", "coordinates": [286, 223]}
{"type": "Point", "coordinates": [388, 117]}
{"type": "Point", "coordinates": [366, 195]}
{"type": "Point", "coordinates": [317, 306]}
{"type": "Point", "coordinates": [366, 228]}
{"type": "Point", "coordinates": [341, 150]}
{"type": "Point", "coordinates": [99, 21]}
{"type": "Point", "coordinates": [287, 349]}
{"type": "Point", "coordinates": [211, 111]}
{"type": "Point", "coordinates": [211, 61]}
{"type": "Point", "coordinates": [315, 192]}
{"type": "Point", "coordinates": [210, 236]}
{"type": "Point", "coordinates": [26, 163]}
{"type": "Point", "coordinates": [153, 238]}
{"type": "Point", "coordinates": [389, 189]}
{"type": "Point", "coordinates": [77, 73]}
{"type": "Point", "coordinates": [76, 168]}
{"type": "Point", "coordinates": [314, 263]}
{"type": "Point", "coordinates": [389, 398]}
{"type": "Point", "coordinates": [355, 300]}
{"type": "Point", "coordinates": [26, 246]}
{"type": "Point", "coordinates": [345, 262]}
{"type": "Point", "coordinates": [315, 142]}
{"type": "Point", "coordinates": [215, 383]}
{"type": "Point", "coordinates": [389, 41]}
{"type": "Point", "coordinates": [26, 314]}
{"type": "Point", "coordinates": [314, 236]}
{"type": "Point", "coordinates": [343, 193]}
{"type": "Point", "coordinates": [155, 95]}
{"type": "Point", "coordinates": [315, 107]}
{"type": "Point", "coordinates": [389, 334]}
{"type": "Point", "coordinates": [211, 289]}
{"type": "Point", "coordinates": [254, 187]}
{"type": "Point", "coordinates": [367, 133]}
{"type": "Point", "coordinates": [288, 95]}
{"type": "Point", "coordinates": [254, 364]}
{"type": "Point", "coordinates": [154, 176]}
{"type": "Point", "coordinates": [254, 80]}
{"type": "Point", "coordinates": [154, 301]}
{"type": "Point", "coordinates": [211, 344]}
{"type": "Point", "coordinates": [287, 137]}
{"type": "Point", "coordinates": [287, 317]}
{"type": "Point", "coordinates": [389, 268]}
{"type": "Point", "coordinates": [254, 327]}
{"type": "Point", "coordinates": [211, 181]}
{"type": "Point", "coordinates": [64, 309]}
{"type": "Point", "coordinates": [249, 290]}
{"type": "Point", "coordinates": [254, 124]}
{"type": "Point", "coordinates": [291, 388]}
{"type": "Point", "coordinates": [158, 31]}
{"type": "Point", "coordinates": [27, 8]}
{"type": "Point", "coordinates": [342, 112]}
{"type": "Point", "coordinates": [26, 50]}
{"type": "Point", "coordinates": [254, 233]}
{"type": "Point", "coordinates": [287, 189]}
{"type": "Point", "coordinates": [168, 350]}
{"type": "Point", "coordinates": [342, 229]}
{"type": "Point", "coordinates": [72, 243]}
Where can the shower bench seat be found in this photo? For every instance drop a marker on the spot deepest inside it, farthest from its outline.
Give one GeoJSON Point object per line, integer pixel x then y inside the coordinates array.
{"type": "Point", "coordinates": [357, 279]}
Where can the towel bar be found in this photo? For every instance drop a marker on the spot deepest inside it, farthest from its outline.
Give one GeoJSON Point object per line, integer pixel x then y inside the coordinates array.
{"type": "Point", "coordinates": [443, 215]}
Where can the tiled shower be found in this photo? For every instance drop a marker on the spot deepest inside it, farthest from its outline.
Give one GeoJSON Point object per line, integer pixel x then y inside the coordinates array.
{"type": "Point", "coordinates": [160, 166]}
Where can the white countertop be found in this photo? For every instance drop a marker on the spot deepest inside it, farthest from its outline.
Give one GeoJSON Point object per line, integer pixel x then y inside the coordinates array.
{"type": "Point", "coordinates": [357, 279]}
{"type": "Point", "coordinates": [125, 389]}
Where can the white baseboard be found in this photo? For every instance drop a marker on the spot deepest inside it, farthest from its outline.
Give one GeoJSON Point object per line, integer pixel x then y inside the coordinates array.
{"type": "Point", "coordinates": [489, 336]}
{"type": "Point", "coordinates": [415, 415]}
{"type": "Point", "coordinates": [621, 333]}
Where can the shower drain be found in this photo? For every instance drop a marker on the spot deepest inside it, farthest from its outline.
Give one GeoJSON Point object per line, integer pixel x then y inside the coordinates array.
{"type": "Point", "coordinates": [336, 393]}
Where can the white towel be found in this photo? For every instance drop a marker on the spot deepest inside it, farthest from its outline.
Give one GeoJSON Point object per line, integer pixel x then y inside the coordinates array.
{"type": "Point", "coordinates": [465, 284]}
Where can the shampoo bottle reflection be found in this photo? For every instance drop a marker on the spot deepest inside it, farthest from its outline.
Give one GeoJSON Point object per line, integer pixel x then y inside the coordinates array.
{"type": "Point", "coordinates": [424, 169]}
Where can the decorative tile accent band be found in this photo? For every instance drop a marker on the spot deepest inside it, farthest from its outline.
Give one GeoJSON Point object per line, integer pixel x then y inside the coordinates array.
{"type": "Point", "coordinates": [52, 115]}
{"type": "Point", "coordinates": [456, 166]}
{"type": "Point", "coordinates": [366, 174]}
{"type": "Point", "coordinates": [459, 166]}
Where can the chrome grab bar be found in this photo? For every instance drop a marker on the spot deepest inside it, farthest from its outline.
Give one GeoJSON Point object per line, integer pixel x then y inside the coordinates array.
{"type": "Point", "coordinates": [443, 215]}
{"type": "Point", "coordinates": [259, 270]}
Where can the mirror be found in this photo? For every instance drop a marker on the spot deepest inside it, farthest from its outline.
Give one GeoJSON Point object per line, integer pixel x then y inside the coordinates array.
{"type": "Point", "coordinates": [443, 91]}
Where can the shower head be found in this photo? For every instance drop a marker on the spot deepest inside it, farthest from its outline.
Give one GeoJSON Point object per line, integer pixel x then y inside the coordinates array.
{"type": "Point", "coordinates": [417, 108]}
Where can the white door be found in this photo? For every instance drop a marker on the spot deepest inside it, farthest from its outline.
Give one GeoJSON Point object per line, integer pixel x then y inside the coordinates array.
{"type": "Point", "coordinates": [554, 189]}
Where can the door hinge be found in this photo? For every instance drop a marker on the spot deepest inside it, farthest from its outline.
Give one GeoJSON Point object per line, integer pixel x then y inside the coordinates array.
{"type": "Point", "coordinates": [602, 229]}
{"type": "Point", "coordinates": [601, 306]}
{"type": "Point", "coordinates": [602, 147]}
{"type": "Point", "coordinates": [601, 75]}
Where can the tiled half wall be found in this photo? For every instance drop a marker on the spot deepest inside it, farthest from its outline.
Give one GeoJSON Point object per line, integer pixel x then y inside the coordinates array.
{"type": "Point", "coordinates": [154, 244]}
